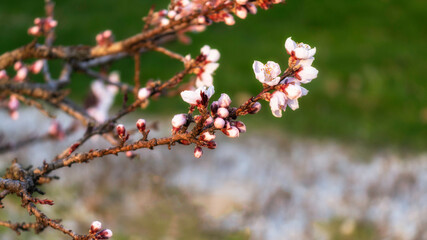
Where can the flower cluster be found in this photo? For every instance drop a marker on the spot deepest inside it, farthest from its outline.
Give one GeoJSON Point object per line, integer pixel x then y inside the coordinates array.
{"type": "Point", "coordinates": [22, 69]}
{"type": "Point", "coordinates": [105, 38]}
{"type": "Point", "coordinates": [208, 58]}
{"type": "Point", "coordinates": [42, 26]}
{"type": "Point", "coordinates": [99, 233]}
{"type": "Point", "coordinates": [288, 88]}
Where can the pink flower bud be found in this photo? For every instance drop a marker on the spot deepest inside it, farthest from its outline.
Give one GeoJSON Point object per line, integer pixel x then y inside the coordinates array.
{"type": "Point", "coordinates": [224, 101]}
{"type": "Point", "coordinates": [241, 12]}
{"type": "Point", "coordinates": [211, 145]}
{"type": "Point", "coordinates": [95, 226]}
{"type": "Point", "coordinates": [140, 124]}
{"type": "Point", "coordinates": [107, 34]}
{"type": "Point", "coordinates": [164, 22]}
{"type": "Point", "coordinates": [52, 23]}
{"type": "Point", "coordinates": [232, 132]}
{"type": "Point", "coordinates": [201, 19]}
{"type": "Point", "coordinates": [241, 126]}
{"type": "Point", "coordinates": [223, 112]}
{"type": "Point", "coordinates": [171, 14]}
{"type": "Point", "coordinates": [208, 121]}
{"type": "Point", "coordinates": [144, 93]}
{"type": "Point", "coordinates": [219, 123]}
{"type": "Point", "coordinates": [214, 107]}
{"type": "Point", "coordinates": [256, 107]}
{"type": "Point", "coordinates": [37, 21]}
{"type": "Point", "coordinates": [55, 130]}
{"type": "Point", "coordinates": [130, 154]}
{"type": "Point", "coordinates": [21, 74]}
{"type": "Point", "coordinates": [207, 136]}
{"type": "Point", "coordinates": [37, 66]}
{"type": "Point", "coordinates": [18, 65]}
{"type": "Point", "coordinates": [229, 19]}
{"type": "Point", "coordinates": [179, 120]}
{"type": "Point", "coordinates": [198, 152]}
{"type": "Point", "coordinates": [13, 103]}
{"type": "Point", "coordinates": [251, 8]}
{"type": "Point", "coordinates": [34, 30]}
{"type": "Point", "coordinates": [3, 74]}
{"type": "Point", "coordinates": [105, 234]}
{"type": "Point", "coordinates": [121, 130]}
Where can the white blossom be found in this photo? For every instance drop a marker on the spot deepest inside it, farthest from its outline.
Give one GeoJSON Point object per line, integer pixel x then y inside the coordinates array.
{"type": "Point", "coordinates": [300, 50]}
{"type": "Point", "coordinates": [144, 93]}
{"type": "Point", "coordinates": [224, 101]}
{"type": "Point", "coordinates": [178, 120]}
{"type": "Point", "coordinates": [195, 97]}
{"type": "Point", "coordinates": [268, 73]}
{"type": "Point", "coordinates": [278, 103]}
{"type": "Point", "coordinates": [306, 73]}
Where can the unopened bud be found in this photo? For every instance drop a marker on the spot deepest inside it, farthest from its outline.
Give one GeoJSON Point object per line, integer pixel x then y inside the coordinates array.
{"type": "Point", "coordinates": [224, 101]}
{"type": "Point", "coordinates": [107, 34]}
{"type": "Point", "coordinates": [3, 74]}
{"type": "Point", "coordinates": [179, 120]}
{"type": "Point", "coordinates": [229, 19]}
{"type": "Point", "coordinates": [241, 126]}
{"type": "Point", "coordinates": [105, 234]}
{"type": "Point", "coordinates": [95, 226]}
{"type": "Point", "coordinates": [18, 65]}
{"type": "Point", "coordinates": [241, 2]}
{"type": "Point", "coordinates": [211, 145]}
{"type": "Point", "coordinates": [241, 12]}
{"type": "Point", "coordinates": [219, 123]}
{"type": "Point", "coordinates": [232, 132]}
{"type": "Point", "coordinates": [207, 136]}
{"type": "Point", "coordinates": [223, 112]}
{"type": "Point", "coordinates": [164, 22]}
{"type": "Point", "coordinates": [144, 93]}
{"type": "Point", "coordinates": [21, 74]}
{"type": "Point", "coordinates": [140, 124]}
{"type": "Point", "coordinates": [198, 152]}
{"type": "Point", "coordinates": [171, 14]}
{"type": "Point", "coordinates": [37, 66]}
{"type": "Point", "coordinates": [214, 107]}
{"type": "Point", "coordinates": [34, 30]}
{"type": "Point", "coordinates": [256, 107]}
{"type": "Point", "coordinates": [251, 8]}
{"type": "Point", "coordinates": [208, 121]}
{"type": "Point", "coordinates": [121, 130]}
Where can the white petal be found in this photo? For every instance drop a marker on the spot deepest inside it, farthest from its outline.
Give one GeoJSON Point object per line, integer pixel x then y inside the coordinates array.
{"type": "Point", "coordinates": [205, 50]}
{"type": "Point", "coordinates": [258, 68]}
{"type": "Point", "coordinates": [294, 91]}
{"type": "Point", "coordinates": [290, 45]}
{"type": "Point", "coordinates": [274, 69]}
{"type": "Point", "coordinates": [304, 91]}
{"type": "Point", "coordinates": [190, 97]}
{"type": "Point", "coordinates": [301, 53]}
{"type": "Point", "coordinates": [293, 104]}
{"type": "Point", "coordinates": [211, 67]}
{"type": "Point", "coordinates": [307, 74]}
{"type": "Point", "coordinates": [273, 82]}
{"type": "Point", "coordinates": [210, 91]}
{"type": "Point", "coordinates": [213, 55]}
{"type": "Point", "coordinates": [306, 62]}
{"type": "Point", "coordinates": [206, 79]}
{"type": "Point", "coordinates": [311, 52]}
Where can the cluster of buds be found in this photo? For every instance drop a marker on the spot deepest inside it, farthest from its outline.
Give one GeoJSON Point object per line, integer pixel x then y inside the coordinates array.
{"type": "Point", "coordinates": [98, 233]}
{"type": "Point", "coordinates": [42, 26]}
{"type": "Point", "coordinates": [220, 111]}
{"type": "Point", "coordinates": [289, 89]}
{"type": "Point", "coordinates": [22, 69]}
{"type": "Point", "coordinates": [242, 7]}
{"type": "Point", "coordinates": [208, 58]}
{"type": "Point", "coordinates": [105, 38]}
{"type": "Point", "coordinates": [121, 132]}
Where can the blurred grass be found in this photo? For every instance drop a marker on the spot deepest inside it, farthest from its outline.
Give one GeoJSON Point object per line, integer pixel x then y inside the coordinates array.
{"type": "Point", "coordinates": [371, 87]}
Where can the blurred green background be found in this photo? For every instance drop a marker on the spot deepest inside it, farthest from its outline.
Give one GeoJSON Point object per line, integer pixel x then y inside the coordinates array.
{"type": "Point", "coordinates": [370, 90]}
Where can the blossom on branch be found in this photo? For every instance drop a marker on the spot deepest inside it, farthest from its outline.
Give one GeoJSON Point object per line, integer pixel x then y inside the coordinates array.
{"type": "Point", "coordinates": [209, 58]}
{"type": "Point", "coordinates": [200, 96]}
{"type": "Point", "coordinates": [268, 73]}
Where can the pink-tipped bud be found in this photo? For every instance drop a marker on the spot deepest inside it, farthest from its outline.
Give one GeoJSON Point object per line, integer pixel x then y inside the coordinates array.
{"type": "Point", "coordinates": [241, 126]}
{"type": "Point", "coordinates": [229, 19]}
{"type": "Point", "coordinates": [164, 21]}
{"type": "Point", "coordinates": [107, 34]}
{"type": "Point", "coordinates": [34, 30]}
{"type": "Point", "coordinates": [18, 65]}
{"type": "Point", "coordinates": [140, 124]}
{"type": "Point", "coordinates": [37, 66]}
{"type": "Point", "coordinates": [224, 101]}
{"type": "Point", "coordinates": [144, 93]}
{"type": "Point", "coordinates": [201, 19]}
{"type": "Point", "coordinates": [198, 152]}
{"type": "Point", "coordinates": [214, 107]}
{"type": "Point", "coordinates": [251, 8]}
{"type": "Point", "coordinates": [223, 112]}
{"type": "Point", "coordinates": [179, 120]}
{"type": "Point", "coordinates": [130, 154]}
{"type": "Point", "coordinates": [219, 123]}
{"type": "Point", "coordinates": [95, 226]}
{"type": "Point", "coordinates": [207, 136]}
{"type": "Point", "coordinates": [171, 14]}
{"type": "Point", "coordinates": [241, 2]}
{"type": "Point", "coordinates": [99, 38]}
{"type": "Point", "coordinates": [241, 12]}
{"type": "Point", "coordinates": [121, 130]}
{"type": "Point", "coordinates": [208, 121]}
{"type": "Point", "coordinates": [52, 23]}
{"type": "Point", "coordinates": [37, 21]}
{"type": "Point", "coordinates": [211, 145]}
{"type": "Point", "coordinates": [21, 74]}
{"type": "Point", "coordinates": [55, 130]}
{"type": "Point", "coordinates": [3, 75]}
{"type": "Point", "coordinates": [232, 132]}
{"type": "Point", "coordinates": [256, 107]}
{"type": "Point", "coordinates": [105, 234]}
